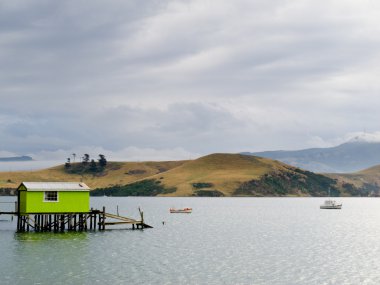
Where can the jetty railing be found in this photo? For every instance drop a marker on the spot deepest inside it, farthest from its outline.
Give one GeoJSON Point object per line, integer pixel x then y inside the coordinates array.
{"type": "Point", "coordinates": [60, 222]}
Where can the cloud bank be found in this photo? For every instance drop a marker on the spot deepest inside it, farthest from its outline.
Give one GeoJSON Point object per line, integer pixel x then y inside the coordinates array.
{"type": "Point", "coordinates": [171, 79]}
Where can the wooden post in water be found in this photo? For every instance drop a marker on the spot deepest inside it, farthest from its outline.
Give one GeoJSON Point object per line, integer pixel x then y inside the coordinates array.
{"type": "Point", "coordinates": [20, 226]}
{"type": "Point", "coordinates": [85, 222]}
{"type": "Point", "coordinates": [18, 222]}
{"type": "Point", "coordinates": [69, 222]}
{"type": "Point", "coordinates": [104, 219]}
{"type": "Point", "coordinates": [142, 218]}
{"type": "Point", "coordinates": [94, 221]}
{"type": "Point", "coordinates": [62, 223]}
{"type": "Point", "coordinates": [91, 219]}
{"type": "Point", "coordinates": [82, 222]}
{"type": "Point", "coordinates": [49, 223]}
{"type": "Point", "coordinates": [55, 222]}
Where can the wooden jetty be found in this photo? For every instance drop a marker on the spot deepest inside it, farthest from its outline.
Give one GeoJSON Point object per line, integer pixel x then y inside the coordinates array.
{"type": "Point", "coordinates": [54, 222]}
{"type": "Point", "coordinates": [61, 206]}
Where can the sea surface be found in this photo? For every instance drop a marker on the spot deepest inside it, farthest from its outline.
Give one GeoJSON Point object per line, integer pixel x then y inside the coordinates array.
{"type": "Point", "coordinates": [224, 241]}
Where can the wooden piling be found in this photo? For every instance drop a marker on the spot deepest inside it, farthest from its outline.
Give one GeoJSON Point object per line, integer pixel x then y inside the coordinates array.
{"type": "Point", "coordinates": [104, 219]}
{"type": "Point", "coordinates": [60, 222]}
{"type": "Point", "coordinates": [55, 223]}
{"type": "Point", "coordinates": [91, 219]}
{"type": "Point", "coordinates": [62, 217]}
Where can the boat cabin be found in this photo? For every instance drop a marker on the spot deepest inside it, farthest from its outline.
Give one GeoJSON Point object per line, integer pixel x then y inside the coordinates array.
{"type": "Point", "coordinates": [53, 197]}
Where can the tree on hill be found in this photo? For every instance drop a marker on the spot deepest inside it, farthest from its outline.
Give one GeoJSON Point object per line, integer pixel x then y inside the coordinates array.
{"type": "Point", "coordinates": [87, 166]}
{"type": "Point", "coordinates": [93, 167]}
{"type": "Point", "coordinates": [85, 158]}
{"type": "Point", "coordinates": [102, 161]}
{"type": "Point", "coordinates": [68, 163]}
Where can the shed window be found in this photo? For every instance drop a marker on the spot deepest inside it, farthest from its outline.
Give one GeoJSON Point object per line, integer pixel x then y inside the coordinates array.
{"type": "Point", "coordinates": [51, 196]}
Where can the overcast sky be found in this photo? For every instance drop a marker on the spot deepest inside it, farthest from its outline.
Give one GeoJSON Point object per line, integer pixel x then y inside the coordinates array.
{"type": "Point", "coordinates": [140, 80]}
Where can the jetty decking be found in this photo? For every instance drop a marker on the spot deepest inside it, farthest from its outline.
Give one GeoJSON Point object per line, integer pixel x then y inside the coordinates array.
{"type": "Point", "coordinates": [60, 222]}
{"type": "Point", "coordinates": [93, 220]}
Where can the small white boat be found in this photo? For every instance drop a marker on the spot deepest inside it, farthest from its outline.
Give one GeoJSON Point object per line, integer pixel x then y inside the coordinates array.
{"type": "Point", "coordinates": [184, 210]}
{"type": "Point", "coordinates": [331, 204]}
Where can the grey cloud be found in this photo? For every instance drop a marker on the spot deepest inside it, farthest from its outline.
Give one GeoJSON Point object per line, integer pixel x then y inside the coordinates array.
{"type": "Point", "coordinates": [204, 76]}
{"type": "Point", "coordinates": [124, 126]}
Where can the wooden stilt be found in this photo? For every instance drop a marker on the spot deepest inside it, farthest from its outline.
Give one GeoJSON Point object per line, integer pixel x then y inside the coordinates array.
{"type": "Point", "coordinates": [62, 223]}
{"type": "Point", "coordinates": [49, 222]}
{"type": "Point", "coordinates": [91, 220]}
{"type": "Point", "coordinates": [18, 222]}
{"type": "Point", "coordinates": [55, 223]}
{"type": "Point", "coordinates": [85, 222]}
{"type": "Point", "coordinates": [104, 219]}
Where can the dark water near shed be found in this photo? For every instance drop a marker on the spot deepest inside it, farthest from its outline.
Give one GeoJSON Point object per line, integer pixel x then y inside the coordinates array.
{"type": "Point", "coordinates": [224, 241]}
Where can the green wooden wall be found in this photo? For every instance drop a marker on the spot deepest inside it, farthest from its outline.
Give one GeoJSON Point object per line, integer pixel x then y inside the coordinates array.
{"type": "Point", "coordinates": [68, 202]}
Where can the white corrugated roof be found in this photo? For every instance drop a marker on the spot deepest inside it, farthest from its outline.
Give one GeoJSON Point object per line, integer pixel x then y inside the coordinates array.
{"type": "Point", "coordinates": [56, 186]}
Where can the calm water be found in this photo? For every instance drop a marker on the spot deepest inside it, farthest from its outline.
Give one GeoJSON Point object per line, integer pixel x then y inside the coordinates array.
{"type": "Point", "coordinates": [224, 241]}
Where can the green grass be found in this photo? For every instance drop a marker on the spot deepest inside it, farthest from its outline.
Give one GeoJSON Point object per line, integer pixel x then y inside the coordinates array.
{"type": "Point", "coordinates": [148, 187]}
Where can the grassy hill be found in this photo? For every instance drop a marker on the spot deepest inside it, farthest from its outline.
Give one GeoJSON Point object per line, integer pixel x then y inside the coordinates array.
{"type": "Point", "coordinates": [361, 183]}
{"type": "Point", "coordinates": [230, 175]}
{"type": "Point", "coordinates": [115, 173]}
{"type": "Point", "coordinates": [240, 175]}
{"type": "Point", "coordinates": [221, 172]}
{"type": "Point", "coordinates": [211, 175]}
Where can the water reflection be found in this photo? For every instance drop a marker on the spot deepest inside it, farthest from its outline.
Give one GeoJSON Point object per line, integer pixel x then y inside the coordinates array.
{"type": "Point", "coordinates": [50, 258]}
{"type": "Point", "coordinates": [224, 241]}
{"type": "Point", "coordinates": [46, 236]}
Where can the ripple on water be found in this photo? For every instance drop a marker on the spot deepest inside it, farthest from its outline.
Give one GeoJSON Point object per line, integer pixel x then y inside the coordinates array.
{"type": "Point", "coordinates": [224, 241]}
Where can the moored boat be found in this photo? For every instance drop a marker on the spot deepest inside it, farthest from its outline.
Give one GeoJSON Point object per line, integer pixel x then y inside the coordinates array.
{"type": "Point", "coordinates": [331, 204]}
{"type": "Point", "coordinates": [184, 210]}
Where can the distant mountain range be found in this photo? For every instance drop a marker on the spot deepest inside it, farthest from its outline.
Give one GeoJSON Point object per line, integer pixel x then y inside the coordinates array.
{"type": "Point", "coordinates": [348, 157]}
{"type": "Point", "coordinates": [16, 158]}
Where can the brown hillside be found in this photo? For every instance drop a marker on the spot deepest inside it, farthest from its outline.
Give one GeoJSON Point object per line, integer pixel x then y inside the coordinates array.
{"type": "Point", "coordinates": [370, 175]}
{"type": "Point", "coordinates": [225, 172]}
{"type": "Point", "coordinates": [216, 174]}
{"type": "Point", "coordinates": [116, 173]}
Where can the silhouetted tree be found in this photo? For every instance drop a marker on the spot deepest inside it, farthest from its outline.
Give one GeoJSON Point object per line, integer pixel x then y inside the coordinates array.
{"type": "Point", "coordinates": [68, 163]}
{"type": "Point", "coordinates": [102, 161]}
{"type": "Point", "coordinates": [85, 158]}
{"type": "Point", "coordinates": [93, 166]}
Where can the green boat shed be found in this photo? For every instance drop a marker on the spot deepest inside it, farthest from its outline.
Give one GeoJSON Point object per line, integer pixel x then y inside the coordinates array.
{"type": "Point", "coordinates": [53, 197]}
